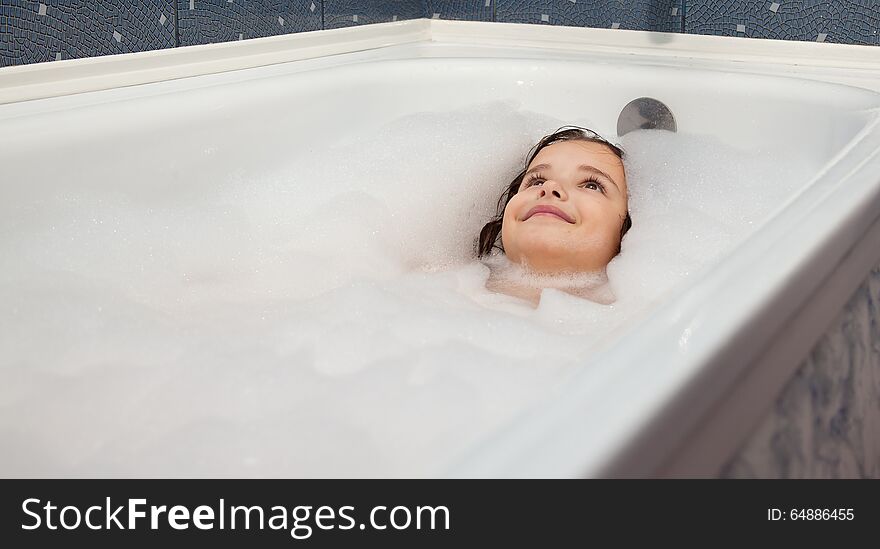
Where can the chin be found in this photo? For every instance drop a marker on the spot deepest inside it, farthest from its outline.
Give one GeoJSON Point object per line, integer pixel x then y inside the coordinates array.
{"type": "Point", "coordinates": [551, 257]}
{"type": "Point", "coordinates": [544, 263]}
{"type": "Point", "coordinates": [549, 247]}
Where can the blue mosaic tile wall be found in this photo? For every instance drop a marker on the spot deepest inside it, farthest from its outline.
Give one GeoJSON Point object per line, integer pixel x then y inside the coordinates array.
{"type": "Point", "coordinates": [347, 13]}
{"type": "Point", "coordinates": [48, 30]}
{"type": "Point", "coordinates": [209, 21]}
{"type": "Point", "coordinates": [656, 15]}
{"type": "Point", "coordinates": [842, 21]}
{"type": "Point", "coordinates": [463, 10]}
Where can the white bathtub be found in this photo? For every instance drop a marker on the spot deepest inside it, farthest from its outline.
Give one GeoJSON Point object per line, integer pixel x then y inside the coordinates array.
{"type": "Point", "coordinates": [681, 389]}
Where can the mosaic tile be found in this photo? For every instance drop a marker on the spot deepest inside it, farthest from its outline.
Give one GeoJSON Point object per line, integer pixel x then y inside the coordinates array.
{"type": "Point", "coordinates": [210, 21]}
{"type": "Point", "coordinates": [32, 32]}
{"type": "Point", "coordinates": [347, 13]}
{"type": "Point", "coordinates": [842, 21]}
{"type": "Point", "coordinates": [659, 15]}
{"type": "Point", "coordinates": [465, 10]}
{"type": "Point", "coordinates": [35, 31]}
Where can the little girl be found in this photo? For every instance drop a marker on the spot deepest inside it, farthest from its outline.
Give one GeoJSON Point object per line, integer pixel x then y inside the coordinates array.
{"type": "Point", "coordinates": [561, 220]}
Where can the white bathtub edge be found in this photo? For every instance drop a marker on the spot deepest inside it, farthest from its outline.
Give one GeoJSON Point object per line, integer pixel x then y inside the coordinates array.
{"type": "Point", "coordinates": [728, 425]}
{"type": "Point", "coordinates": [59, 78]}
{"type": "Point", "coordinates": [666, 44]}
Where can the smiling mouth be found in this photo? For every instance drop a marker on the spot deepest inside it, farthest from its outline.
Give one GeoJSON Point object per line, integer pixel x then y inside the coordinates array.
{"type": "Point", "coordinates": [548, 210]}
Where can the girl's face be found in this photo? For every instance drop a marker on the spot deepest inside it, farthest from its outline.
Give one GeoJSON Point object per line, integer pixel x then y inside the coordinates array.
{"type": "Point", "coordinates": [568, 211]}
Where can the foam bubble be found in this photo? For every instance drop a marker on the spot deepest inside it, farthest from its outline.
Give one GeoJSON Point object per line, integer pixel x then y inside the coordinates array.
{"type": "Point", "coordinates": [325, 316]}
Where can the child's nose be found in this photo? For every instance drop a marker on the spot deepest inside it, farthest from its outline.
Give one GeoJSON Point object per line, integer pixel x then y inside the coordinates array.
{"type": "Point", "coordinates": [552, 188]}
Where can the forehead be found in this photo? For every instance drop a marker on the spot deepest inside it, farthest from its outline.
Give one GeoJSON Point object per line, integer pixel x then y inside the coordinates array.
{"type": "Point", "coordinates": [569, 154]}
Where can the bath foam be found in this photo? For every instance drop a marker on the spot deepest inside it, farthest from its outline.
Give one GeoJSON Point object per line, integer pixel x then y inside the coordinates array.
{"type": "Point", "coordinates": [326, 317]}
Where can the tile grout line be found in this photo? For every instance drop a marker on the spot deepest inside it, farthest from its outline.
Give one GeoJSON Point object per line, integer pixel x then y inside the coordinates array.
{"type": "Point", "coordinates": [176, 23]}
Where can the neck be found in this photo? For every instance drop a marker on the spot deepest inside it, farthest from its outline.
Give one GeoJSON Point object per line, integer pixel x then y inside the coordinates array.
{"type": "Point", "coordinates": [514, 279]}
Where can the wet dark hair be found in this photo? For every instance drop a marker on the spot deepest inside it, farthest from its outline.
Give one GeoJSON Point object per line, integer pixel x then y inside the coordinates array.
{"type": "Point", "coordinates": [489, 235]}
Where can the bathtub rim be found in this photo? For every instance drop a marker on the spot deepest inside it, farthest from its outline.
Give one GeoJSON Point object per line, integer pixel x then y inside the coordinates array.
{"type": "Point", "coordinates": [838, 63]}
{"type": "Point", "coordinates": [704, 452]}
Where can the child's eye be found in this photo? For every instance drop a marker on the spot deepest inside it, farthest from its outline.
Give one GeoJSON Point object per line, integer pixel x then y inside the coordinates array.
{"type": "Point", "coordinates": [592, 184]}
{"type": "Point", "coordinates": [534, 179]}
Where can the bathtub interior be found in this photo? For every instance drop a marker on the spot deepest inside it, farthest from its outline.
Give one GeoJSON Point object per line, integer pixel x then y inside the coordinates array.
{"type": "Point", "coordinates": [158, 325]}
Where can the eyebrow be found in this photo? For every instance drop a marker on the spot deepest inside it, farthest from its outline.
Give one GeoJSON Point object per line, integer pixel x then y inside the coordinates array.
{"type": "Point", "coordinates": [582, 167]}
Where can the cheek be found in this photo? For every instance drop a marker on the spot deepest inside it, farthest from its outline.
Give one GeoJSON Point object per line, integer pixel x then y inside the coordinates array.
{"type": "Point", "coordinates": [511, 211]}
{"type": "Point", "coordinates": [607, 221]}
{"type": "Point", "coordinates": [508, 221]}
{"type": "Point", "coordinates": [602, 226]}
{"type": "Point", "coordinates": [605, 215]}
